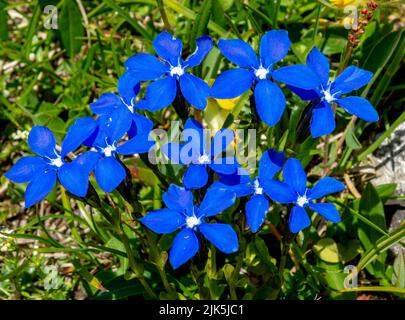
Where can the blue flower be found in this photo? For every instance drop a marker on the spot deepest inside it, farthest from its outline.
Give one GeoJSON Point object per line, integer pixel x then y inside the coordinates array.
{"type": "Point", "coordinates": [43, 170]}
{"type": "Point", "coordinates": [181, 213]}
{"type": "Point", "coordinates": [199, 153]}
{"type": "Point", "coordinates": [170, 74]}
{"type": "Point", "coordinates": [294, 190]}
{"type": "Point", "coordinates": [121, 109]}
{"type": "Point", "coordinates": [104, 156]}
{"type": "Point", "coordinates": [327, 91]}
{"type": "Point", "coordinates": [270, 100]}
{"type": "Point", "coordinates": [243, 185]}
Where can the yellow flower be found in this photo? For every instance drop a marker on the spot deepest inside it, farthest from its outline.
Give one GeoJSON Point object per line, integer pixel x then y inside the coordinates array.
{"type": "Point", "coordinates": [218, 110]}
{"type": "Point", "coordinates": [342, 3]}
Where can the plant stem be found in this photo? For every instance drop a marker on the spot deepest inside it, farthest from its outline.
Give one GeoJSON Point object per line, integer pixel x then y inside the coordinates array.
{"type": "Point", "coordinates": [284, 252]}
{"type": "Point", "coordinates": [318, 17]}
{"type": "Point", "coordinates": [164, 15]}
{"type": "Point", "coordinates": [275, 16]}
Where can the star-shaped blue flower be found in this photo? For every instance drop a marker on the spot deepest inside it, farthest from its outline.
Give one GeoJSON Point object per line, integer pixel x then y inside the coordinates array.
{"type": "Point", "coordinates": [43, 170]}
{"type": "Point", "coordinates": [106, 148]}
{"type": "Point", "coordinates": [200, 153]}
{"type": "Point", "coordinates": [121, 109]}
{"type": "Point", "coordinates": [243, 185]}
{"type": "Point", "coordinates": [294, 190]}
{"type": "Point", "coordinates": [327, 91]}
{"type": "Point", "coordinates": [182, 213]}
{"type": "Point", "coordinates": [269, 98]}
{"type": "Point", "coordinates": [170, 75]}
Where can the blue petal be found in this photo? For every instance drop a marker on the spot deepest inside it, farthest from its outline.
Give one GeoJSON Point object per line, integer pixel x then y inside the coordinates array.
{"type": "Point", "coordinates": [142, 124]}
{"type": "Point", "coordinates": [221, 235]}
{"type": "Point", "coordinates": [109, 173]}
{"type": "Point", "coordinates": [81, 130]}
{"type": "Point", "coordinates": [39, 187]}
{"type": "Point", "coordinates": [194, 90]}
{"type": "Point", "coordinates": [227, 165]}
{"type": "Point", "coordinates": [161, 93]}
{"type": "Point", "coordinates": [359, 107]}
{"type": "Point", "coordinates": [215, 201]}
{"type": "Point", "coordinates": [185, 246]}
{"type": "Point", "coordinates": [88, 160]}
{"type": "Point", "coordinates": [168, 48]}
{"type": "Point", "coordinates": [322, 120]}
{"type": "Point", "coordinates": [128, 87]}
{"type": "Point", "coordinates": [298, 219]}
{"type": "Point", "coordinates": [232, 83]}
{"type": "Point", "coordinates": [141, 143]}
{"type": "Point", "coordinates": [120, 121]}
{"type": "Point", "coordinates": [274, 46]}
{"type": "Point", "coordinates": [295, 176]}
{"type": "Point", "coordinates": [352, 78]}
{"type": "Point", "coordinates": [106, 103]}
{"type": "Point", "coordinates": [163, 221]}
{"type": "Point", "coordinates": [42, 141]}
{"type": "Point", "coordinates": [270, 163]}
{"type": "Point", "coordinates": [256, 209]}
{"type": "Point", "coordinates": [179, 199]}
{"type": "Point", "coordinates": [144, 66]}
{"type": "Point", "coordinates": [25, 169]}
{"type": "Point", "coordinates": [319, 64]}
{"type": "Point", "coordinates": [305, 95]}
{"type": "Point", "coordinates": [221, 140]}
{"type": "Point", "coordinates": [270, 102]}
{"type": "Point", "coordinates": [300, 76]}
{"type": "Point", "coordinates": [195, 136]}
{"type": "Point", "coordinates": [327, 210]}
{"type": "Point", "coordinates": [324, 187]}
{"type": "Point", "coordinates": [195, 177]}
{"type": "Point", "coordinates": [279, 191]}
{"type": "Point", "coordinates": [204, 46]}
{"type": "Point", "coordinates": [74, 178]}
{"type": "Point", "coordinates": [239, 52]}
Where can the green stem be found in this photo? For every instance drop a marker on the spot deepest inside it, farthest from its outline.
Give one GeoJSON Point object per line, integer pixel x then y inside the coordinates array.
{"type": "Point", "coordinates": [164, 15]}
{"type": "Point", "coordinates": [318, 17]}
{"type": "Point", "coordinates": [275, 16]}
{"type": "Point", "coordinates": [285, 243]}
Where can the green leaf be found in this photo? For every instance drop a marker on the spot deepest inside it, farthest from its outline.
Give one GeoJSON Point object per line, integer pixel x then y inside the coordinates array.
{"type": "Point", "coordinates": [372, 208]}
{"type": "Point", "coordinates": [71, 28]}
{"type": "Point", "coordinates": [351, 139]}
{"type": "Point", "coordinates": [3, 20]}
{"type": "Point", "coordinates": [383, 244]}
{"type": "Point", "coordinates": [385, 191]}
{"type": "Point", "coordinates": [398, 278]}
{"type": "Point", "coordinates": [201, 22]}
{"type": "Point", "coordinates": [349, 250]}
{"type": "Point", "coordinates": [326, 249]}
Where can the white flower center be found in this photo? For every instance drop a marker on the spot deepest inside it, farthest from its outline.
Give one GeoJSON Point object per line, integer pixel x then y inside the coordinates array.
{"type": "Point", "coordinates": [203, 159]}
{"type": "Point", "coordinates": [302, 200]}
{"type": "Point", "coordinates": [256, 186]}
{"type": "Point", "coordinates": [192, 222]}
{"type": "Point", "coordinates": [109, 150]}
{"type": "Point", "coordinates": [261, 73]}
{"type": "Point", "coordinates": [57, 162]}
{"type": "Point", "coordinates": [178, 71]}
{"type": "Point", "coordinates": [327, 96]}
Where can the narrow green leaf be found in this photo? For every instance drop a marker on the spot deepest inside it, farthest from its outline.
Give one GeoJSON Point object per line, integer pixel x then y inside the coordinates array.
{"type": "Point", "coordinates": [201, 22]}
{"type": "Point", "coordinates": [71, 28]}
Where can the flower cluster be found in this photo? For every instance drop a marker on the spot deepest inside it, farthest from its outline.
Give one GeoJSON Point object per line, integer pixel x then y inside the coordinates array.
{"type": "Point", "coordinates": [121, 129]}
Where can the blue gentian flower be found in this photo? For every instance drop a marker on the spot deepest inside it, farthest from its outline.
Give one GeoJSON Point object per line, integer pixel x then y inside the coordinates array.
{"type": "Point", "coordinates": [43, 170]}
{"type": "Point", "coordinates": [182, 213]}
{"type": "Point", "coordinates": [269, 98]}
{"type": "Point", "coordinates": [201, 153]}
{"type": "Point", "coordinates": [243, 185]}
{"type": "Point", "coordinates": [121, 109]}
{"type": "Point", "coordinates": [170, 73]}
{"type": "Point", "coordinates": [327, 91]}
{"type": "Point", "coordinates": [104, 156]}
{"type": "Point", "coordinates": [294, 190]}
